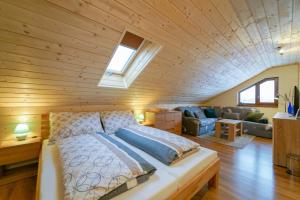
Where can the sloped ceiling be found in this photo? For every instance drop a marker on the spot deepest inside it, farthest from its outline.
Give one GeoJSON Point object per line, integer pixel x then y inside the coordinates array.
{"type": "Point", "coordinates": [55, 52]}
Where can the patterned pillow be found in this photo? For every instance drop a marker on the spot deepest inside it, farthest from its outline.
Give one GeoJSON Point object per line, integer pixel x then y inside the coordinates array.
{"type": "Point", "coordinates": [67, 124]}
{"type": "Point", "coordinates": [114, 120]}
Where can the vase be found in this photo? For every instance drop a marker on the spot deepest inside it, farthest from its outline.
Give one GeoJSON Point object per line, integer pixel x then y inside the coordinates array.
{"type": "Point", "coordinates": [290, 108]}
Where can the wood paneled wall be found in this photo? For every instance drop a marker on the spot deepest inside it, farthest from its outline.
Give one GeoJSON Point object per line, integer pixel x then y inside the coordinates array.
{"type": "Point", "coordinates": [54, 52]}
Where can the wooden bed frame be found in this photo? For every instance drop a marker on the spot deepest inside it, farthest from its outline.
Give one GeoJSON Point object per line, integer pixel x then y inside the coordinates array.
{"type": "Point", "coordinates": [209, 175]}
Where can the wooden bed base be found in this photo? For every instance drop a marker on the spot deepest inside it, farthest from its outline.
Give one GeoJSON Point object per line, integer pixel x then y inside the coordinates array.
{"type": "Point", "coordinates": [209, 175]}
{"type": "Point", "coordinates": [38, 180]}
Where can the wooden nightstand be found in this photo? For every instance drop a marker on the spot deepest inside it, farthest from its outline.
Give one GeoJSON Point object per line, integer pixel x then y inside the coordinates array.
{"type": "Point", "coordinates": [16, 152]}
{"type": "Point", "coordinates": [147, 124]}
{"type": "Point", "coordinates": [165, 120]}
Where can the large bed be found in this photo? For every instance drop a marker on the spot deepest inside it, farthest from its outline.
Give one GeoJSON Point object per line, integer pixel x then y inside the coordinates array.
{"type": "Point", "coordinates": [181, 180]}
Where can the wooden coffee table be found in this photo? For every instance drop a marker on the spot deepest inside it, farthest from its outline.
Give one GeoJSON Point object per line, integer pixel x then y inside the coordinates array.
{"type": "Point", "coordinates": [234, 127]}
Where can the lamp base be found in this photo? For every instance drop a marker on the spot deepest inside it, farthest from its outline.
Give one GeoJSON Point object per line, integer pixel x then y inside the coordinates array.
{"type": "Point", "coordinates": [21, 137]}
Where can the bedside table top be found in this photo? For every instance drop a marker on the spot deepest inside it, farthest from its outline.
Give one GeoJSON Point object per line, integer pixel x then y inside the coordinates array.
{"type": "Point", "coordinates": [147, 124]}
{"type": "Point", "coordinates": [13, 143]}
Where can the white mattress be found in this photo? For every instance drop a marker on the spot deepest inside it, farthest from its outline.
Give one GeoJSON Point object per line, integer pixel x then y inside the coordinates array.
{"type": "Point", "coordinates": [165, 181]}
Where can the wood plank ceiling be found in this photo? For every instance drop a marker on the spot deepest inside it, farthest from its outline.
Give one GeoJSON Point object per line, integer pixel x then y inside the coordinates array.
{"type": "Point", "coordinates": [54, 52]}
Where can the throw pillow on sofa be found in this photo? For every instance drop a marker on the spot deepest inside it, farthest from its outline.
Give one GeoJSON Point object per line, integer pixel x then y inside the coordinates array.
{"type": "Point", "coordinates": [254, 116]}
{"type": "Point", "coordinates": [200, 115]}
{"type": "Point", "coordinates": [210, 113]}
{"type": "Point", "coordinates": [188, 113]}
{"type": "Point", "coordinates": [235, 116]}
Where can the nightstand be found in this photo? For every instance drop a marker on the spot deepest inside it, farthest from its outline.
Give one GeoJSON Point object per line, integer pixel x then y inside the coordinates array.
{"type": "Point", "coordinates": [17, 154]}
{"type": "Point", "coordinates": [147, 124]}
{"type": "Point", "coordinates": [165, 120]}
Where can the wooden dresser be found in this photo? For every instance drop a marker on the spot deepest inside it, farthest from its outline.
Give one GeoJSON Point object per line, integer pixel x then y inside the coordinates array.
{"type": "Point", "coordinates": [286, 137]}
{"type": "Point", "coordinates": [165, 120]}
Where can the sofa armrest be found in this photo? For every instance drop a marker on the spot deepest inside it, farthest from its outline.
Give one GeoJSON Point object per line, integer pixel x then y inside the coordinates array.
{"type": "Point", "coordinates": [190, 125]}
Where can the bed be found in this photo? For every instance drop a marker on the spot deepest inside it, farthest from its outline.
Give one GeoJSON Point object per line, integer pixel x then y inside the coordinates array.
{"type": "Point", "coordinates": [179, 181]}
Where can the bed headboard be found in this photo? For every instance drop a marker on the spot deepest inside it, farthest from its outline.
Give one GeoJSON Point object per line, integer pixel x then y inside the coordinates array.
{"type": "Point", "coordinates": [45, 126]}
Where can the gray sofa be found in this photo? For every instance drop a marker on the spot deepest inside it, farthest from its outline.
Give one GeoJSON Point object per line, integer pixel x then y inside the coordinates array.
{"type": "Point", "coordinates": [203, 125]}
{"type": "Point", "coordinates": [196, 126]}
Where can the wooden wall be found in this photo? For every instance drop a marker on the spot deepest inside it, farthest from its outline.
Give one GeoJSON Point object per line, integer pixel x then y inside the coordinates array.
{"type": "Point", "coordinates": [54, 52]}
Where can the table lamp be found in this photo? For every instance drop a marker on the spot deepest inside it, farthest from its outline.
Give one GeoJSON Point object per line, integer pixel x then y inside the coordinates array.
{"type": "Point", "coordinates": [21, 131]}
{"type": "Point", "coordinates": [140, 117]}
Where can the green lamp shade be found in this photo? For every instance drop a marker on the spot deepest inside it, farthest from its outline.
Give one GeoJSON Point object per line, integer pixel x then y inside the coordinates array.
{"type": "Point", "coordinates": [140, 117]}
{"type": "Point", "coordinates": [21, 131]}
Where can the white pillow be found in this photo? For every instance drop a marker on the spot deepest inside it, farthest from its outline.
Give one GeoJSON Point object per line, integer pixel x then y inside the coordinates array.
{"type": "Point", "coordinates": [67, 124]}
{"type": "Point", "coordinates": [113, 120]}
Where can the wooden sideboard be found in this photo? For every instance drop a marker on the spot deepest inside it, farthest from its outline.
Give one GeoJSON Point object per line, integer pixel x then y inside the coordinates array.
{"type": "Point", "coordinates": [286, 137]}
{"type": "Point", "coordinates": [165, 120]}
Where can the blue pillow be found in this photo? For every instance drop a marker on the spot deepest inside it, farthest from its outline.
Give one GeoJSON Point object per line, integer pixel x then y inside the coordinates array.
{"type": "Point", "coordinates": [210, 113]}
{"type": "Point", "coordinates": [200, 115]}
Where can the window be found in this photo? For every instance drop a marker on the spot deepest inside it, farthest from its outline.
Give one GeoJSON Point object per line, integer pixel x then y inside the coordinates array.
{"type": "Point", "coordinates": [261, 94]}
{"type": "Point", "coordinates": [131, 56]}
{"type": "Point", "coordinates": [248, 96]}
{"type": "Point", "coordinates": [124, 53]}
{"type": "Point", "coordinates": [267, 92]}
{"type": "Point", "coordinates": [120, 59]}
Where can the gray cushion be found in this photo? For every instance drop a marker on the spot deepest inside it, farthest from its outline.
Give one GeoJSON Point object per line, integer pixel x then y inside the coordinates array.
{"type": "Point", "coordinates": [235, 116]}
{"type": "Point", "coordinates": [207, 121]}
{"type": "Point", "coordinates": [242, 110]}
{"type": "Point", "coordinates": [198, 112]}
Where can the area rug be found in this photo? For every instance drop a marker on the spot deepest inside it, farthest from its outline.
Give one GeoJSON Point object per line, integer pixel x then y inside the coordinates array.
{"type": "Point", "coordinates": [240, 141]}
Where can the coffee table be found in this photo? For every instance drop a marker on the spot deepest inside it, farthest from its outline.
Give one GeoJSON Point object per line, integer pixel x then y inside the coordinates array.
{"type": "Point", "coordinates": [234, 127]}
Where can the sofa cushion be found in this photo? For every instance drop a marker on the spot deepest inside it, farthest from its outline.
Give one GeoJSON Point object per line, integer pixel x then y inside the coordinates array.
{"type": "Point", "coordinates": [207, 121]}
{"type": "Point", "coordinates": [200, 115]}
{"type": "Point", "coordinates": [242, 110]}
{"type": "Point", "coordinates": [198, 112]}
{"type": "Point", "coordinates": [188, 113]}
{"type": "Point", "coordinates": [210, 113]}
{"type": "Point", "coordinates": [219, 112]}
{"type": "Point", "coordinates": [254, 116]}
{"type": "Point", "coordinates": [235, 116]}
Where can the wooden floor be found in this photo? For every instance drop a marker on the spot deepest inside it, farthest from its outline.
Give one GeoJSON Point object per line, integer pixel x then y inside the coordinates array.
{"type": "Point", "coordinates": [20, 190]}
{"type": "Point", "coordinates": [246, 173]}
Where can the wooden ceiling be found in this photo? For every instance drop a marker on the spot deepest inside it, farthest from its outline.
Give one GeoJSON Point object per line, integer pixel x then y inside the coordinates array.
{"type": "Point", "coordinates": [55, 52]}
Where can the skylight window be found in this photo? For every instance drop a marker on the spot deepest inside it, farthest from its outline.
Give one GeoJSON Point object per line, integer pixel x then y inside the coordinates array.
{"type": "Point", "coordinates": [129, 59]}
{"type": "Point", "coordinates": [120, 59]}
